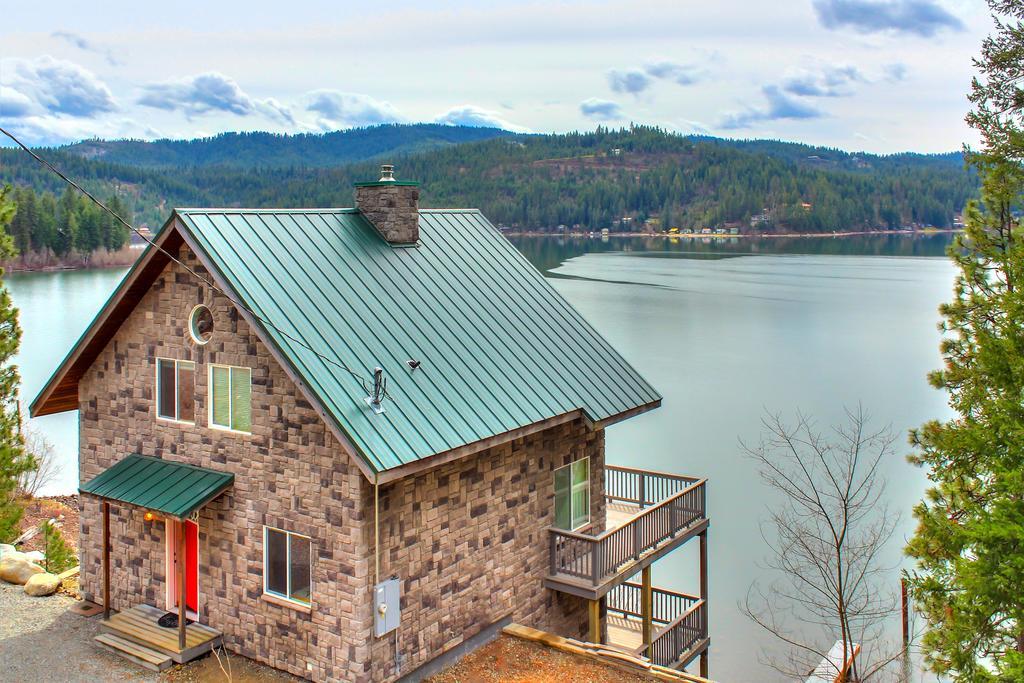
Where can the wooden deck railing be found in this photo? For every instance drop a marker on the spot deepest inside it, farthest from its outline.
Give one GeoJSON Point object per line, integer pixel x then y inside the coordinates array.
{"type": "Point", "coordinates": [625, 600]}
{"type": "Point", "coordinates": [643, 488]}
{"type": "Point", "coordinates": [596, 559]}
{"type": "Point", "coordinates": [677, 638]}
{"type": "Point", "coordinates": [681, 619]}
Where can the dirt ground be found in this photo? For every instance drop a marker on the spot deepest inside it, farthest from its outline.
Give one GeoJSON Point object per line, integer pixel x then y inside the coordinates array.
{"type": "Point", "coordinates": [512, 660]}
{"type": "Point", "coordinates": [37, 510]}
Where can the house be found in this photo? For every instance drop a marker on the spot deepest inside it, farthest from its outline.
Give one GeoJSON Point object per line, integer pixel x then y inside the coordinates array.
{"type": "Point", "coordinates": [350, 442]}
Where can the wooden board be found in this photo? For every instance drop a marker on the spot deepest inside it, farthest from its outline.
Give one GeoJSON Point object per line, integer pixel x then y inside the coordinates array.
{"type": "Point", "coordinates": [143, 656]}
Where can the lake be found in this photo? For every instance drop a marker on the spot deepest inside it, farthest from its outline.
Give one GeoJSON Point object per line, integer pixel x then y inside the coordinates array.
{"type": "Point", "coordinates": [725, 330]}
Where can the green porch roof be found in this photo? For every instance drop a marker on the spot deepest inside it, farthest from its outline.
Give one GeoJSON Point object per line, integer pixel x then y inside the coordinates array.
{"type": "Point", "coordinates": [500, 348]}
{"type": "Point", "coordinates": [172, 488]}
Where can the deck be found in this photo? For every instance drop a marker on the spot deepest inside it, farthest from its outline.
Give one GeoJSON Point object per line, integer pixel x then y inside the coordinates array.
{"type": "Point", "coordinates": [679, 621]}
{"type": "Point", "coordinates": [648, 514]}
{"type": "Point", "coordinates": [138, 625]}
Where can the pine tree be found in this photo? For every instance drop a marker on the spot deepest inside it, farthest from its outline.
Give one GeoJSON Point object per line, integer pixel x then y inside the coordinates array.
{"type": "Point", "coordinates": [969, 542]}
{"type": "Point", "coordinates": [13, 460]}
{"type": "Point", "coordinates": [59, 555]}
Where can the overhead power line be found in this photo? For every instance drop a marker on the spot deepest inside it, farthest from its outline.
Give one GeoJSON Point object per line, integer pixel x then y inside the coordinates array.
{"type": "Point", "coordinates": [336, 362]}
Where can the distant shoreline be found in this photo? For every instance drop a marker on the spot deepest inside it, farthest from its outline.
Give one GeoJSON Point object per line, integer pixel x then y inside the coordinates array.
{"type": "Point", "coordinates": [747, 235]}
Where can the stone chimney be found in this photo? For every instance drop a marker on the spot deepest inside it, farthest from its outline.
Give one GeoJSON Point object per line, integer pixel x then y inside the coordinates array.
{"type": "Point", "coordinates": [391, 206]}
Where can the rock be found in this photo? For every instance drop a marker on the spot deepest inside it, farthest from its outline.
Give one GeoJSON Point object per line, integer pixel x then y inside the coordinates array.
{"type": "Point", "coordinates": [42, 584]}
{"type": "Point", "coordinates": [18, 569]}
{"type": "Point", "coordinates": [6, 549]}
{"type": "Point", "coordinates": [35, 556]}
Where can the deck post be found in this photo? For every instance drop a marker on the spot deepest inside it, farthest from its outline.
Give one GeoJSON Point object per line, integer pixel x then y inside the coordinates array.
{"type": "Point", "coordinates": [182, 589]}
{"type": "Point", "coordinates": [106, 560]}
{"type": "Point", "coordinates": [647, 609]}
{"type": "Point", "coordinates": [704, 597]}
{"type": "Point", "coordinates": [594, 609]}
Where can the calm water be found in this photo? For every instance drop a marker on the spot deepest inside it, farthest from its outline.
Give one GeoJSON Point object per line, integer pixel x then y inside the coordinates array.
{"type": "Point", "coordinates": [725, 331]}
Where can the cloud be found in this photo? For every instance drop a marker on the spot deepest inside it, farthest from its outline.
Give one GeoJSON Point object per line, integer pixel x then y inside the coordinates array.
{"type": "Point", "coordinates": [780, 105]}
{"type": "Point", "coordinates": [829, 81]}
{"type": "Point", "coordinates": [86, 45]}
{"type": "Point", "coordinates": [894, 73]}
{"type": "Point", "coordinates": [633, 81]}
{"type": "Point", "coordinates": [681, 74]}
{"type": "Point", "coordinates": [923, 18]}
{"type": "Point", "coordinates": [210, 92]}
{"type": "Point", "coordinates": [346, 110]}
{"type": "Point", "coordinates": [636, 80]}
{"type": "Point", "coordinates": [45, 85]}
{"type": "Point", "coordinates": [601, 110]}
{"type": "Point", "coordinates": [472, 115]}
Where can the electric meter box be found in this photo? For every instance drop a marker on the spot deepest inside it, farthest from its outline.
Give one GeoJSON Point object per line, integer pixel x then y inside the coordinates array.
{"type": "Point", "coordinates": [385, 607]}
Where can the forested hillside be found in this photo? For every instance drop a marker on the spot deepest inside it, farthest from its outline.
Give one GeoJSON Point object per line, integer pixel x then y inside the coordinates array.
{"type": "Point", "coordinates": [273, 150]}
{"type": "Point", "coordinates": [614, 179]}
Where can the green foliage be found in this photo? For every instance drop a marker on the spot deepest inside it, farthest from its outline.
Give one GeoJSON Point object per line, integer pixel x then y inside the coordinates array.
{"type": "Point", "coordinates": [72, 224]}
{"type": "Point", "coordinates": [13, 460]}
{"type": "Point", "coordinates": [969, 542]}
{"type": "Point", "coordinates": [59, 555]}
{"type": "Point", "coordinates": [533, 182]}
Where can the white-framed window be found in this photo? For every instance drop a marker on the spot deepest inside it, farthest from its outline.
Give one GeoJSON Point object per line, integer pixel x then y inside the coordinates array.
{"type": "Point", "coordinates": [231, 398]}
{"type": "Point", "coordinates": [287, 565]}
{"type": "Point", "coordinates": [572, 495]}
{"type": "Point", "coordinates": [176, 390]}
{"type": "Point", "coordinates": [200, 324]}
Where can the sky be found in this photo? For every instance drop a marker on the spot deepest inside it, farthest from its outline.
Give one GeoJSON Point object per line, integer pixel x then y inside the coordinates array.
{"type": "Point", "coordinates": [874, 75]}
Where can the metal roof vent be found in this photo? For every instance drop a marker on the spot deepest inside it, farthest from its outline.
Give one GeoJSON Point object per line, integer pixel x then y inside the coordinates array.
{"type": "Point", "coordinates": [387, 173]}
{"type": "Point", "coordinates": [380, 390]}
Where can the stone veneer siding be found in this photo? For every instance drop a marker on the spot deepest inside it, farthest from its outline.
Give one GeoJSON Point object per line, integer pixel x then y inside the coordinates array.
{"type": "Point", "coordinates": [392, 209]}
{"type": "Point", "coordinates": [467, 538]}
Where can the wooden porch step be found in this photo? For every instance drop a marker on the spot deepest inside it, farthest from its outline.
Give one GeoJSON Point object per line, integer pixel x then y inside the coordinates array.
{"type": "Point", "coordinates": [132, 651]}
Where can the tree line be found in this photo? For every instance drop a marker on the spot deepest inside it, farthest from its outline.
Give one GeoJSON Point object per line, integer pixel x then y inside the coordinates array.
{"type": "Point", "coordinates": [66, 224]}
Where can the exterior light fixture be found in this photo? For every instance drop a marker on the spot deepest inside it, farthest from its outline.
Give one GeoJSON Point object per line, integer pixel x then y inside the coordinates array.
{"type": "Point", "coordinates": [149, 516]}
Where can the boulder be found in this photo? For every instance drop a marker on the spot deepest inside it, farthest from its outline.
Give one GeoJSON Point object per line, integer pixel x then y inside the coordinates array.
{"type": "Point", "coordinates": [6, 549]}
{"type": "Point", "coordinates": [42, 584]}
{"type": "Point", "coordinates": [18, 569]}
{"type": "Point", "coordinates": [35, 556]}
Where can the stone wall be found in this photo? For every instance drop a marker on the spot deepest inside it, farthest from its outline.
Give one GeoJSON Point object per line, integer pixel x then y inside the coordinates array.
{"type": "Point", "coordinates": [467, 539]}
{"type": "Point", "coordinates": [289, 473]}
{"type": "Point", "coordinates": [469, 542]}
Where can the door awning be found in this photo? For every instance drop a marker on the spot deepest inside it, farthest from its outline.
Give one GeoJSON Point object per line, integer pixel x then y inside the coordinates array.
{"type": "Point", "coordinates": [172, 488]}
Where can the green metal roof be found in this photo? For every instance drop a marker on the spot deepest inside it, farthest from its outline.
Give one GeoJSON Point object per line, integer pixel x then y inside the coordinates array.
{"type": "Point", "coordinates": [500, 348]}
{"type": "Point", "coordinates": [172, 488]}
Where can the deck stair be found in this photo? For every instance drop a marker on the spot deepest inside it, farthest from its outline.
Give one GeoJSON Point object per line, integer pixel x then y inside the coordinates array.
{"type": "Point", "coordinates": [138, 626]}
{"type": "Point", "coordinates": [132, 651]}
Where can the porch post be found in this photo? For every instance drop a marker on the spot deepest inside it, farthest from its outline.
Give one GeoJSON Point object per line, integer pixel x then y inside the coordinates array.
{"type": "Point", "coordinates": [704, 597]}
{"type": "Point", "coordinates": [647, 609]}
{"type": "Point", "coordinates": [182, 588]}
{"type": "Point", "coordinates": [595, 621]}
{"type": "Point", "coordinates": [106, 560]}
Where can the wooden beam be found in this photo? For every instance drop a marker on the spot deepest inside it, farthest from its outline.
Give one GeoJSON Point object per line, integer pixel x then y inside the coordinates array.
{"type": "Point", "coordinates": [704, 597]}
{"type": "Point", "coordinates": [182, 588]}
{"type": "Point", "coordinates": [594, 609]}
{"type": "Point", "coordinates": [106, 560]}
{"type": "Point", "coordinates": [647, 609]}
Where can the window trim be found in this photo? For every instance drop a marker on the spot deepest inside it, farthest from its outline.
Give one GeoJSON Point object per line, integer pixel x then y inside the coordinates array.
{"type": "Point", "coordinates": [583, 485]}
{"type": "Point", "coordinates": [177, 386]}
{"type": "Point", "coordinates": [191, 325]}
{"type": "Point", "coordinates": [288, 567]}
{"type": "Point", "coordinates": [210, 401]}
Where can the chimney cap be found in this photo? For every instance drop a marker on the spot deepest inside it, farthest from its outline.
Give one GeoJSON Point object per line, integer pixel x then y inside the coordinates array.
{"type": "Point", "coordinates": [387, 173]}
{"type": "Point", "coordinates": [387, 178]}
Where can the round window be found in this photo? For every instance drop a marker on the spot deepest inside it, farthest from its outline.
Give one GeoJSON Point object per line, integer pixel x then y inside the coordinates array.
{"type": "Point", "coordinates": [200, 324]}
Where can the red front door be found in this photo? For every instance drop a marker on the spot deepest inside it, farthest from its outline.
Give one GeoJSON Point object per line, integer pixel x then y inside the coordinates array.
{"type": "Point", "coordinates": [191, 566]}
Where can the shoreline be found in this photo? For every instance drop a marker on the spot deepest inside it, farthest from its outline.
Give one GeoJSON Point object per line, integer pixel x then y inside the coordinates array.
{"type": "Point", "coordinates": [747, 235]}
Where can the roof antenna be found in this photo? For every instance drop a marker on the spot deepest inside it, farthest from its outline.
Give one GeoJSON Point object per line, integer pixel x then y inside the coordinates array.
{"type": "Point", "coordinates": [380, 389]}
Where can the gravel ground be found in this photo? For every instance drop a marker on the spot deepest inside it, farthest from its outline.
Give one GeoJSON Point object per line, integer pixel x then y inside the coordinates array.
{"type": "Point", "coordinates": [41, 641]}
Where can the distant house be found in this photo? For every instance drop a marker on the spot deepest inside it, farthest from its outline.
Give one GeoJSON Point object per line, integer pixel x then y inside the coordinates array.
{"type": "Point", "coordinates": [348, 442]}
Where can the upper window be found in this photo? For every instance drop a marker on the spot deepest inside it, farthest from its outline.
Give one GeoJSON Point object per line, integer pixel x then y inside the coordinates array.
{"type": "Point", "coordinates": [231, 398]}
{"type": "Point", "coordinates": [286, 565]}
{"type": "Point", "coordinates": [200, 324]}
{"type": "Point", "coordinates": [175, 390]}
{"type": "Point", "coordinates": [572, 495]}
